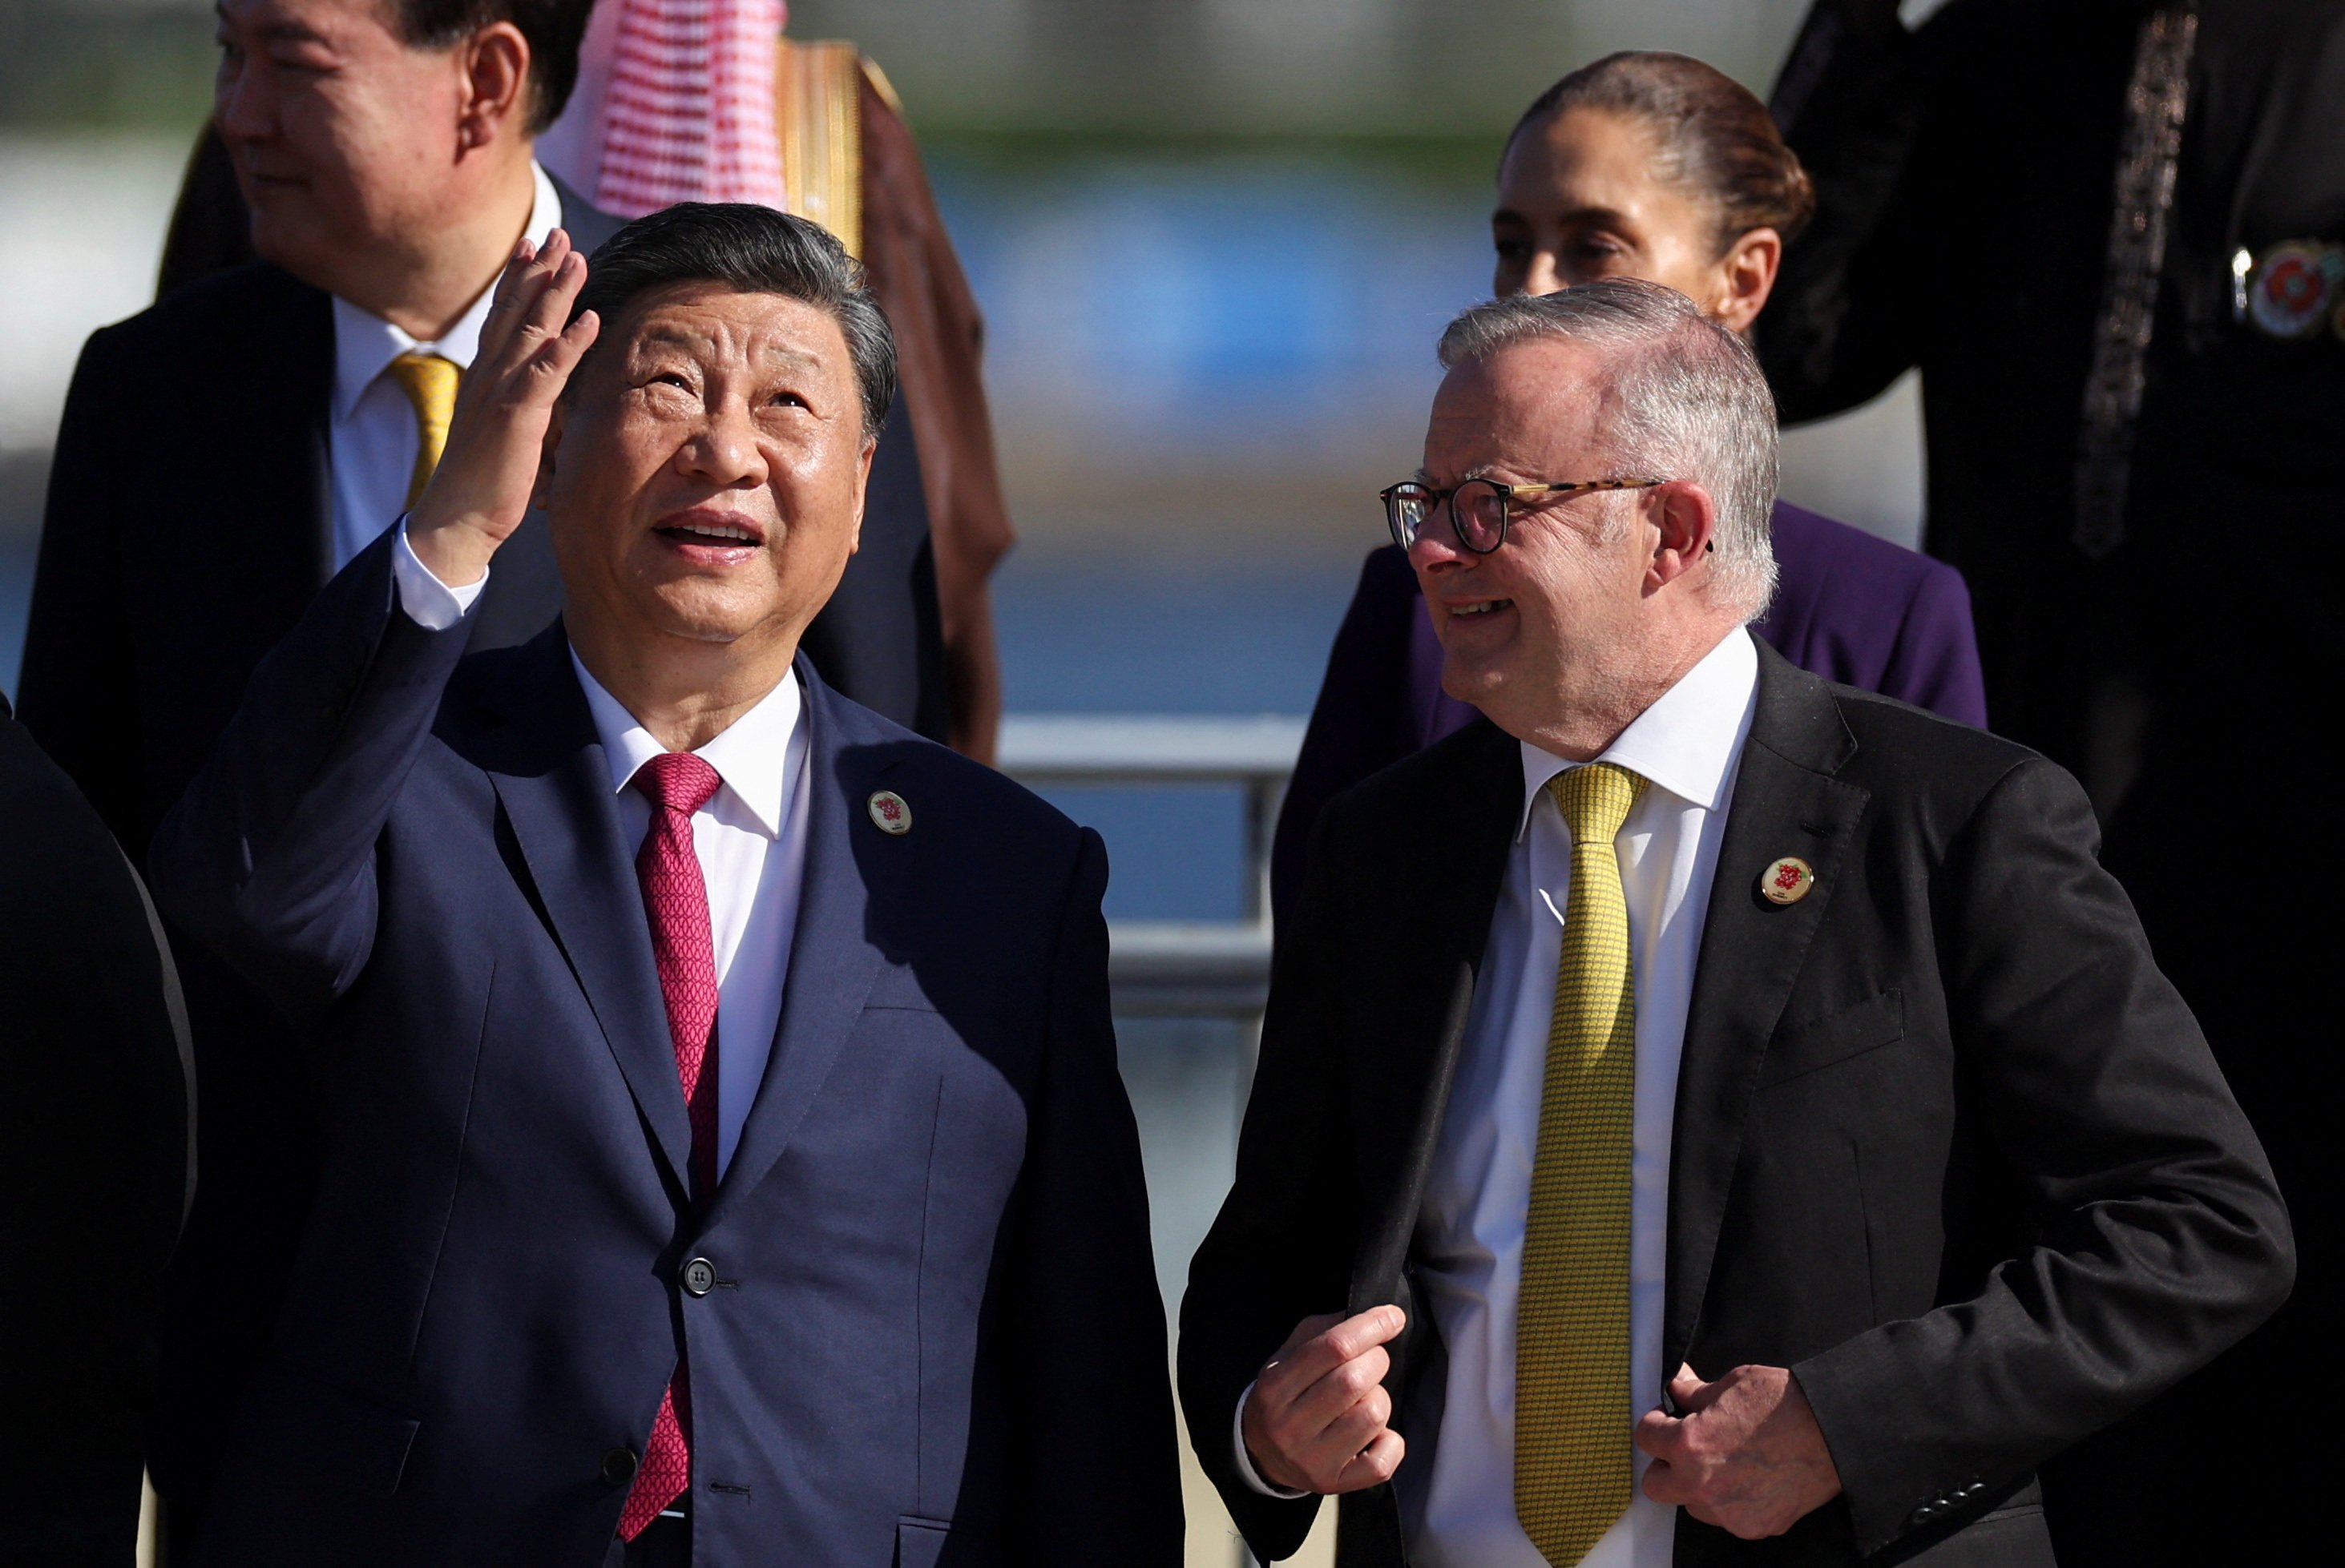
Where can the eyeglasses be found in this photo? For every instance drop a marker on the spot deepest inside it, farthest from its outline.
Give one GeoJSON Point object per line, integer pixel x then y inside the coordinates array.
{"type": "Point", "coordinates": [1479, 508]}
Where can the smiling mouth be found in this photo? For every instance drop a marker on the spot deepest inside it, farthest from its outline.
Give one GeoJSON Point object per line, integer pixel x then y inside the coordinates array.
{"type": "Point", "coordinates": [1483, 608]}
{"type": "Point", "coordinates": [720, 533]}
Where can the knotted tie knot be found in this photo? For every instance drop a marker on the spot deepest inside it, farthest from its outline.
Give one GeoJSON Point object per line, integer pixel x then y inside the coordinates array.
{"type": "Point", "coordinates": [1595, 800]}
{"type": "Point", "coordinates": [430, 383]}
{"type": "Point", "coordinates": [676, 781]}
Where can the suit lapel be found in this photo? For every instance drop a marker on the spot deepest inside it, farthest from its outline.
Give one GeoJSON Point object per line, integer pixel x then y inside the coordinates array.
{"type": "Point", "coordinates": [1786, 801]}
{"type": "Point", "coordinates": [832, 961]}
{"type": "Point", "coordinates": [1425, 922]}
{"type": "Point", "coordinates": [550, 775]}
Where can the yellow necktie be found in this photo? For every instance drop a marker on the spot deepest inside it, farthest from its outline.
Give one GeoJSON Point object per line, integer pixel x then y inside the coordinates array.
{"type": "Point", "coordinates": [430, 383]}
{"type": "Point", "coordinates": [1572, 1426]}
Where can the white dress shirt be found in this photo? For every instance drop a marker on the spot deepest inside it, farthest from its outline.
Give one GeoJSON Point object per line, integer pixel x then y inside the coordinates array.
{"type": "Point", "coordinates": [750, 840]}
{"type": "Point", "coordinates": [371, 432]}
{"type": "Point", "coordinates": [1457, 1492]}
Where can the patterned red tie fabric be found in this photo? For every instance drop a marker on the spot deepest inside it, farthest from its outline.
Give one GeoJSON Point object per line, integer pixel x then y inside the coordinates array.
{"type": "Point", "coordinates": [676, 901]}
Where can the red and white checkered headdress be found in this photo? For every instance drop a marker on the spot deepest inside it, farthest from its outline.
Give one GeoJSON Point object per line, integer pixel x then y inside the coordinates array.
{"type": "Point", "coordinates": [689, 112]}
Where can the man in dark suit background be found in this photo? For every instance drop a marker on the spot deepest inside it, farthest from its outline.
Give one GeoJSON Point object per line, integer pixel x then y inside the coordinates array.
{"type": "Point", "coordinates": [220, 455]}
{"type": "Point", "coordinates": [1698, 1053]}
{"type": "Point", "coordinates": [97, 1158]}
{"type": "Point", "coordinates": [724, 1159]}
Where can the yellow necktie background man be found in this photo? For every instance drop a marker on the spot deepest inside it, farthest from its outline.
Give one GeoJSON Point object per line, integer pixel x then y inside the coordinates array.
{"type": "Point", "coordinates": [430, 383]}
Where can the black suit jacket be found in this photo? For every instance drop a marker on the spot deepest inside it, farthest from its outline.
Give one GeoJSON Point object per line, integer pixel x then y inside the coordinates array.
{"type": "Point", "coordinates": [188, 527]}
{"type": "Point", "coordinates": [97, 1158]}
{"type": "Point", "coordinates": [1947, 1144]}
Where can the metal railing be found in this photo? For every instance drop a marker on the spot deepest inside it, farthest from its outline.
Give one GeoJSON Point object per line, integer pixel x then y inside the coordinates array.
{"type": "Point", "coordinates": [1211, 968]}
{"type": "Point", "coordinates": [1183, 968]}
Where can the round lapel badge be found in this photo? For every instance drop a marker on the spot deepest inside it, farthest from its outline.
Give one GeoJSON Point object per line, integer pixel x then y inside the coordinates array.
{"type": "Point", "coordinates": [2292, 288]}
{"type": "Point", "coordinates": [888, 812]}
{"type": "Point", "coordinates": [1787, 881]}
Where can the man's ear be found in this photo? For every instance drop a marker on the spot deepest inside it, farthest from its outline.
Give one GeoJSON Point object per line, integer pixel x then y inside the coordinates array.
{"type": "Point", "coordinates": [862, 491]}
{"type": "Point", "coordinates": [1688, 522]}
{"type": "Point", "coordinates": [541, 490]}
{"type": "Point", "coordinates": [495, 89]}
{"type": "Point", "coordinates": [1747, 276]}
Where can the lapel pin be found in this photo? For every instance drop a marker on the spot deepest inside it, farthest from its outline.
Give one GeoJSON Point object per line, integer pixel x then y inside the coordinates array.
{"type": "Point", "coordinates": [1785, 882]}
{"type": "Point", "coordinates": [889, 812]}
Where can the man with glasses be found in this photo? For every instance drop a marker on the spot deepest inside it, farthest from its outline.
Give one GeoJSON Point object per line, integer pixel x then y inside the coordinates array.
{"type": "Point", "coordinates": [1698, 1103]}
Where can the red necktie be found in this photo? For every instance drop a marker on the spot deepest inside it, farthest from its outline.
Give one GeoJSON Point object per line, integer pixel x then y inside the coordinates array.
{"type": "Point", "coordinates": [675, 900]}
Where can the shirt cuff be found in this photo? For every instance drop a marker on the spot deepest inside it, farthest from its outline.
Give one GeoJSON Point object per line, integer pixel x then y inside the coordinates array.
{"type": "Point", "coordinates": [430, 602]}
{"type": "Point", "coordinates": [1246, 1472]}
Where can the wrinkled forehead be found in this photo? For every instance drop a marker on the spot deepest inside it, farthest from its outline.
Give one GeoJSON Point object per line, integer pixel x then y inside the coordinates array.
{"type": "Point", "coordinates": [319, 21]}
{"type": "Point", "coordinates": [1542, 403]}
{"type": "Point", "coordinates": [716, 323]}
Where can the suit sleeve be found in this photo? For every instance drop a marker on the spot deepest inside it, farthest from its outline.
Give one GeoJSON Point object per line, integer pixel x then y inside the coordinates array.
{"type": "Point", "coordinates": [1280, 1250]}
{"type": "Point", "coordinates": [1103, 1481]}
{"type": "Point", "coordinates": [77, 690]}
{"type": "Point", "coordinates": [269, 858]}
{"type": "Point", "coordinates": [1935, 662]}
{"type": "Point", "coordinates": [2159, 1239]}
{"type": "Point", "coordinates": [1844, 322]}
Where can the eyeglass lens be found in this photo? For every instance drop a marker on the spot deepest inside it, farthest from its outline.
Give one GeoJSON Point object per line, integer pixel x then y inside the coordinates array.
{"type": "Point", "coordinates": [1477, 509]}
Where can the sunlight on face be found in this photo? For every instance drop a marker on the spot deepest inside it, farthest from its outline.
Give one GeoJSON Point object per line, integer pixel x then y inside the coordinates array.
{"type": "Point", "coordinates": [1579, 199]}
{"type": "Point", "coordinates": [1544, 617]}
{"type": "Point", "coordinates": [341, 134]}
{"type": "Point", "coordinates": [704, 478]}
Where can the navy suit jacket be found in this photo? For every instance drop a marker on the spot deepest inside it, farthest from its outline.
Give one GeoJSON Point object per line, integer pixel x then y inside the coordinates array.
{"type": "Point", "coordinates": [934, 1335]}
{"type": "Point", "coordinates": [1852, 608]}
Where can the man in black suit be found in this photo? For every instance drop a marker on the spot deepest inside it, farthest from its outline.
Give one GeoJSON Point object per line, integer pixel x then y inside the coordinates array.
{"type": "Point", "coordinates": [221, 455]}
{"type": "Point", "coordinates": [97, 1091]}
{"type": "Point", "coordinates": [1700, 1104]}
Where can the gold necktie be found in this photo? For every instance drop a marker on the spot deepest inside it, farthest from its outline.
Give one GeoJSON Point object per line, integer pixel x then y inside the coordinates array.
{"type": "Point", "coordinates": [1572, 1426]}
{"type": "Point", "coordinates": [430, 383]}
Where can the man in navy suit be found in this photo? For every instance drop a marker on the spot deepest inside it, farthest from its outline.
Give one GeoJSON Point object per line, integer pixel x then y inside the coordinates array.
{"type": "Point", "coordinates": [724, 1157]}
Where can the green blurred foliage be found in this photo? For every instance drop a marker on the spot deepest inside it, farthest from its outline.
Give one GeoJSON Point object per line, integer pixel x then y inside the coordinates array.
{"type": "Point", "coordinates": [105, 64]}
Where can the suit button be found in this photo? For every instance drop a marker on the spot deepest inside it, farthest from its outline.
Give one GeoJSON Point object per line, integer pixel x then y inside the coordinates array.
{"type": "Point", "coordinates": [700, 1276]}
{"type": "Point", "coordinates": [618, 1466]}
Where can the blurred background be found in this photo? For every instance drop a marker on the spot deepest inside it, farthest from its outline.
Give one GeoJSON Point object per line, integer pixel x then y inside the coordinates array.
{"type": "Point", "coordinates": [1214, 241]}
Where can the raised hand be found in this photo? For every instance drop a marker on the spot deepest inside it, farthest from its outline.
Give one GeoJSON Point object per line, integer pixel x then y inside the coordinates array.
{"type": "Point", "coordinates": [1319, 1419]}
{"type": "Point", "coordinates": [1747, 1455]}
{"type": "Point", "coordinates": [496, 437]}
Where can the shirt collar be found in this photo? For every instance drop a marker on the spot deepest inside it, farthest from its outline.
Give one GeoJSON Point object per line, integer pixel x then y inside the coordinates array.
{"type": "Point", "coordinates": [752, 757]}
{"type": "Point", "coordinates": [1686, 742]}
{"type": "Point", "coordinates": [365, 344]}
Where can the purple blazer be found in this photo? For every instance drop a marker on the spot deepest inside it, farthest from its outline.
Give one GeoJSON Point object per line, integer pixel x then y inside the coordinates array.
{"type": "Point", "coordinates": [1849, 607]}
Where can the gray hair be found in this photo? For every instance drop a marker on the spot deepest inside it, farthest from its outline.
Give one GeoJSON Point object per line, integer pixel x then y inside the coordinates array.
{"type": "Point", "coordinates": [1688, 403]}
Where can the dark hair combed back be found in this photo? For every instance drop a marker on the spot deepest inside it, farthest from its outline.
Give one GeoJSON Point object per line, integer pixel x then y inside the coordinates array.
{"type": "Point", "coordinates": [553, 27]}
{"type": "Point", "coordinates": [751, 249]}
{"type": "Point", "coordinates": [1716, 135]}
